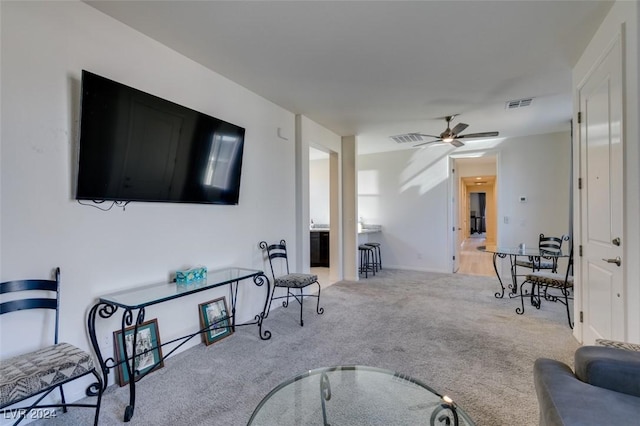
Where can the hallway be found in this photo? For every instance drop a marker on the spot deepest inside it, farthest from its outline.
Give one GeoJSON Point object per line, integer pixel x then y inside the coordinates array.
{"type": "Point", "coordinates": [474, 261]}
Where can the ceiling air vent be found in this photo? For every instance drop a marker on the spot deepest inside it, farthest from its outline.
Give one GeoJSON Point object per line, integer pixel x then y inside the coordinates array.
{"type": "Point", "coordinates": [408, 137]}
{"type": "Point", "coordinates": [519, 103]}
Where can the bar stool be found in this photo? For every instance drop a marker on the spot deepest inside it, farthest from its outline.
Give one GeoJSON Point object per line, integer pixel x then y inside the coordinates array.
{"type": "Point", "coordinates": [377, 256]}
{"type": "Point", "coordinates": [366, 260]}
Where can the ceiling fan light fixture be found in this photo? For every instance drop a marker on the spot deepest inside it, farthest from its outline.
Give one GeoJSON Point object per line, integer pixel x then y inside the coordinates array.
{"type": "Point", "coordinates": [448, 139]}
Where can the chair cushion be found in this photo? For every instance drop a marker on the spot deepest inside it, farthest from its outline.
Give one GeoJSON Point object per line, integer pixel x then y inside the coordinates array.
{"type": "Point", "coordinates": [550, 279]}
{"type": "Point", "coordinates": [28, 374]}
{"type": "Point", "coordinates": [296, 280]}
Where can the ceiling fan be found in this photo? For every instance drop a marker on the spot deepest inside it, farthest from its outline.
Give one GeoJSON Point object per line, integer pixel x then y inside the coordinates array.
{"type": "Point", "coordinates": [450, 135]}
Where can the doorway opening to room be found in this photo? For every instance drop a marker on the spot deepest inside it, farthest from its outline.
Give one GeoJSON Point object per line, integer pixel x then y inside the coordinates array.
{"type": "Point", "coordinates": [323, 215]}
{"type": "Point", "coordinates": [475, 214]}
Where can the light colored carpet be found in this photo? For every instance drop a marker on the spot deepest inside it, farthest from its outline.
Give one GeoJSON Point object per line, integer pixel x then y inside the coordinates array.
{"type": "Point", "coordinates": [447, 331]}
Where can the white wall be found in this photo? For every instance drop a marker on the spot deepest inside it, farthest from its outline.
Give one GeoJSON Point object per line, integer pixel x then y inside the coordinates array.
{"type": "Point", "coordinates": [623, 17]}
{"type": "Point", "coordinates": [44, 48]}
{"type": "Point", "coordinates": [537, 167]}
{"type": "Point", "coordinates": [480, 168]}
{"type": "Point", "coordinates": [319, 191]}
{"type": "Point", "coordinates": [407, 193]}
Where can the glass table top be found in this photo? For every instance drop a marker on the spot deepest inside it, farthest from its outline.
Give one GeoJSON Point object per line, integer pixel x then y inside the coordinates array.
{"type": "Point", "coordinates": [526, 251]}
{"type": "Point", "coordinates": [355, 395]}
{"type": "Point", "coordinates": [159, 292]}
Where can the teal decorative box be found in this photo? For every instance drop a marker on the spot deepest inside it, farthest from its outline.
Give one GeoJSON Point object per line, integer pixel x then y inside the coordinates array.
{"type": "Point", "coordinates": [198, 273]}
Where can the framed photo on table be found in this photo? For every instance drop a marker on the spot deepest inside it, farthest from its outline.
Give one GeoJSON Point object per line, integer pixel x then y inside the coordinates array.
{"type": "Point", "coordinates": [148, 352]}
{"type": "Point", "coordinates": [214, 317]}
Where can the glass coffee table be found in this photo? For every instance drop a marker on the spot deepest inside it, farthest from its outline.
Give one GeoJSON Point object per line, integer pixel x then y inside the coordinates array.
{"type": "Point", "coordinates": [356, 395]}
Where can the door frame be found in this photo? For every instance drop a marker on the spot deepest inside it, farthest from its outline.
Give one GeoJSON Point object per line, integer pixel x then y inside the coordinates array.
{"type": "Point", "coordinates": [459, 205]}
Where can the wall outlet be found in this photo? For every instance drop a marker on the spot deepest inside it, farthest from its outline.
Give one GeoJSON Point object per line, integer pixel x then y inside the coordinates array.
{"type": "Point", "coordinates": [506, 220]}
{"type": "Point", "coordinates": [106, 341]}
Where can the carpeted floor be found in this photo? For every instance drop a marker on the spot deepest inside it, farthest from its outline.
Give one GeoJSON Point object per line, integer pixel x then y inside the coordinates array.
{"type": "Point", "coordinates": [448, 331]}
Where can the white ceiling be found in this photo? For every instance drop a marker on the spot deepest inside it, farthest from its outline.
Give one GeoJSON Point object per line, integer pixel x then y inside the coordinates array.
{"type": "Point", "coordinates": [378, 68]}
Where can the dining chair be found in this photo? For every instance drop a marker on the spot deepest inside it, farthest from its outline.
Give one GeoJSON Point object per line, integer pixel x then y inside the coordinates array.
{"type": "Point", "coordinates": [549, 245]}
{"type": "Point", "coordinates": [550, 286]}
{"type": "Point", "coordinates": [277, 254]}
{"type": "Point", "coordinates": [27, 379]}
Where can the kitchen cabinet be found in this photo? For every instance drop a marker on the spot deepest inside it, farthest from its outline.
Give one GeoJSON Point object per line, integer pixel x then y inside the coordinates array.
{"type": "Point", "coordinates": [319, 248]}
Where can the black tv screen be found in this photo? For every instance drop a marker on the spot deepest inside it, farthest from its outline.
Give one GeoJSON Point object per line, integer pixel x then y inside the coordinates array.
{"type": "Point", "coordinates": [138, 147]}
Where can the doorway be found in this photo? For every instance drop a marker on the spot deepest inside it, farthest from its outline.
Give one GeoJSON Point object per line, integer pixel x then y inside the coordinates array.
{"type": "Point", "coordinates": [323, 215]}
{"type": "Point", "coordinates": [476, 213]}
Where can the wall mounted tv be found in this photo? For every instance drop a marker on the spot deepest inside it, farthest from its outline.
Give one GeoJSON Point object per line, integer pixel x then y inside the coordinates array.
{"type": "Point", "coordinates": [138, 147]}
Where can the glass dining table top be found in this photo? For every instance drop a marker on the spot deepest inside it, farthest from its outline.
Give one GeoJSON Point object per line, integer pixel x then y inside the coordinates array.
{"type": "Point", "coordinates": [526, 251]}
{"type": "Point", "coordinates": [355, 395]}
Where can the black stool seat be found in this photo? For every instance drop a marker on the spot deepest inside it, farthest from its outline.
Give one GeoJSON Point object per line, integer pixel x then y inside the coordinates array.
{"type": "Point", "coordinates": [366, 260]}
{"type": "Point", "coordinates": [377, 256]}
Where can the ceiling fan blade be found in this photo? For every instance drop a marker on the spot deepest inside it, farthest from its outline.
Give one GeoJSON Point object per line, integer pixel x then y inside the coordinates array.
{"type": "Point", "coordinates": [459, 128]}
{"type": "Point", "coordinates": [426, 143]}
{"type": "Point", "coordinates": [456, 143]}
{"type": "Point", "coordinates": [478, 135]}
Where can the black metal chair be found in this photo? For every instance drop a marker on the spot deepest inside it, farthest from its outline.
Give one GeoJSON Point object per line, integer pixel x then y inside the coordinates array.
{"type": "Point", "coordinates": [550, 245]}
{"type": "Point", "coordinates": [289, 281]}
{"type": "Point", "coordinates": [40, 372]}
{"type": "Point", "coordinates": [544, 282]}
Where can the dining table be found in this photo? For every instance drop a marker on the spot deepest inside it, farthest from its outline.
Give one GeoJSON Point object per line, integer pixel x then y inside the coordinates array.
{"type": "Point", "coordinates": [534, 254]}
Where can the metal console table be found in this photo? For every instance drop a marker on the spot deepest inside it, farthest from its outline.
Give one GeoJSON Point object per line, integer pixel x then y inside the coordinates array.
{"type": "Point", "coordinates": [513, 253]}
{"type": "Point", "coordinates": [134, 302]}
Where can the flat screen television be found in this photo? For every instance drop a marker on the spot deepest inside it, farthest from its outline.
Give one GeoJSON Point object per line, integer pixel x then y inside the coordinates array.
{"type": "Point", "coordinates": [135, 146]}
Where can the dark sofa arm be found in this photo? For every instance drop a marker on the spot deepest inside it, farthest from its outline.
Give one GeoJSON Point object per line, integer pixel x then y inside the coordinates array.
{"type": "Point", "coordinates": [609, 368]}
{"type": "Point", "coordinates": [566, 401]}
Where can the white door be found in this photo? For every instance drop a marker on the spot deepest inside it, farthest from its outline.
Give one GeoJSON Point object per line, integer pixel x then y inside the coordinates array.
{"type": "Point", "coordinates": [601, 166]}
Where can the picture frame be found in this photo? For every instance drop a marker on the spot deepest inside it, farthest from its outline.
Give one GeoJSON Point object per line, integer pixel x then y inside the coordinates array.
{"type": "Point", "coordinates": [148, 348]}
{"type": "Point", "coordinates": [212, 312]}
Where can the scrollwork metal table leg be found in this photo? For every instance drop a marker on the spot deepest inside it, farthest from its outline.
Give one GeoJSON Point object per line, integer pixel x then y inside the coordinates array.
{"type": "Point", "coordinates": [103, 310]}
{"type": "Point", "coordinates": [500, 294]}
{"type": "Point", "coordinates": [514, 276]}
{"type": "Point", "coordinates": [127, 320]}
{"type": "Point", "coordinates": [259, 280]}
{"type": "Point", "coordinates": [443, 417]}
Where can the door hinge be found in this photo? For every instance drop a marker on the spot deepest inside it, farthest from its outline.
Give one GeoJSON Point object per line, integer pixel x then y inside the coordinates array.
{"type": "Point", "coordinates": [579, 183]}
{"type": "Point", "coordinates": [453, 229]}
{"type": "Point", "coordinates": [454, 258]}
{"type": "Point", "coordinates": [581, 317]}
{"type": "Point", "coordinates": [579, 117]}
{"type": "Point", "coordinates": [580, 250]}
